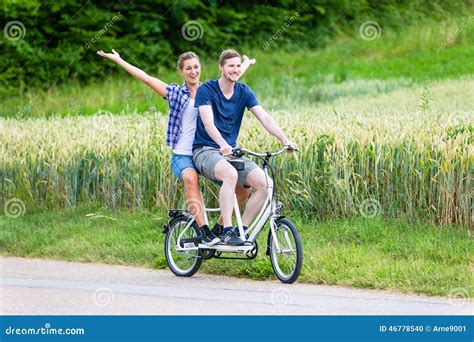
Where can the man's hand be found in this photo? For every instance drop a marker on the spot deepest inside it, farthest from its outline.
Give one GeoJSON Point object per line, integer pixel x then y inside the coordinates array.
{"type": "Point", "coordinates": [291, 146]}
{"type": "Point", "coordinates": [114, 56]}
{"type": "Point", "coordinates": [226, 150]}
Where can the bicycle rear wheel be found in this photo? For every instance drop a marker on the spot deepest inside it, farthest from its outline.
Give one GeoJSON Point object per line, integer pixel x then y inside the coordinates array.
{"type": "Point", "coordinates": [288, 259]}
{"type": "Point", "coordinates": [182, 263]}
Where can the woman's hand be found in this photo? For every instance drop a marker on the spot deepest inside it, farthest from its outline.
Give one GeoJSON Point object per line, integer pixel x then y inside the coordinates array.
{"type": "Point", "coordinates": [246, 63]}
{"type": "Point", "coordinates": [114, 56]}
{"type": "Point", "coordinates": [154, 83]}
{"type": "Point", "coordinates": [247, 60]}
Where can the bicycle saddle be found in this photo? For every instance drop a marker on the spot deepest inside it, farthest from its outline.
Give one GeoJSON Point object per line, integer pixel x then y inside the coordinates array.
{"type": "Point", "coordinates": [237, 163]}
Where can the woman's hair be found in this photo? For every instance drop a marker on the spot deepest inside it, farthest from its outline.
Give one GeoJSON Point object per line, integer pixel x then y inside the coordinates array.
{"type": "Point", "coordinates": [228, 54]}
{"type": "Point", "coordinates": [184, 57]}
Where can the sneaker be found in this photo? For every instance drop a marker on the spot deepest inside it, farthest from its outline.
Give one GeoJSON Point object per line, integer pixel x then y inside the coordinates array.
{"type": "Point", "coordinates": [210, 240]}
{"type": "Point", "coordinates": [236, 231]}
{"type": "Point", "coordinates": [231, 239]}
{"type": "Point", "coordinates": [207, 237]}
{"type": "Point", "coordinates": [217, 230]}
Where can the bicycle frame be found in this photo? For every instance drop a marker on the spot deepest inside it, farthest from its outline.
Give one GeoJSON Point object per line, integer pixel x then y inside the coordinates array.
{"type": "Point", "coordinates": [268, 211]}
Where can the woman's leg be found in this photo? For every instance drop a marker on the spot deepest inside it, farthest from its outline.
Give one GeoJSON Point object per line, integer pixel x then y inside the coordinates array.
{"type": "Point", "coordinates": [193, 195]}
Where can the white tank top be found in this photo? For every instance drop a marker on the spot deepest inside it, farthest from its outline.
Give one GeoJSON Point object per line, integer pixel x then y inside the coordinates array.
{"type": "Point", "coordinates": [188, 129]}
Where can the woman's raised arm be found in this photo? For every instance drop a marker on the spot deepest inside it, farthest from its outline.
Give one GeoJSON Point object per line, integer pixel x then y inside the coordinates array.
{"type": "Point", "coordinates": [153, 82]}
{"type": "Point", "coordinates": [246, 63]}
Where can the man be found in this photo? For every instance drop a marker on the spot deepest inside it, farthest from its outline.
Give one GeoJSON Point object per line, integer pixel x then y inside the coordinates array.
{"type": "Point", "coordinates": [221, 105]}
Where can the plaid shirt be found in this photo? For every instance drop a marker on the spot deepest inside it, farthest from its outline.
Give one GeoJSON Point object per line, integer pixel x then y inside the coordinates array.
{"type": "Point", "coordinates": [178, 98]}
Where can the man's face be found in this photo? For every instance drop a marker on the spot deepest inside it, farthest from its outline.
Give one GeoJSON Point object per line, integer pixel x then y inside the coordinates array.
{"type": "Point", "coordinates": [231, 69]}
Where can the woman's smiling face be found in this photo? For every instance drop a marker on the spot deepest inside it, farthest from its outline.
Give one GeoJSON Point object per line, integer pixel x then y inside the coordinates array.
{"type": "Point", "coordinates": [191, 71]}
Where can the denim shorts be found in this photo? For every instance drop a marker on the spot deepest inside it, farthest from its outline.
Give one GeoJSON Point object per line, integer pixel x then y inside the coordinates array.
{"type": "Point", "coordinates": [180, 163]}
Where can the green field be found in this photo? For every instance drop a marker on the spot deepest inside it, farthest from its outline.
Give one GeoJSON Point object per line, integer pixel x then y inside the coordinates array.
{"type": "Point", "coordinates": [407, 151]}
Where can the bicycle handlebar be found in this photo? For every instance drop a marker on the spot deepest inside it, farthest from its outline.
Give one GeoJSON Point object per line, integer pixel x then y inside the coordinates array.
{"type": "Point", "coordinates": [239, 152]}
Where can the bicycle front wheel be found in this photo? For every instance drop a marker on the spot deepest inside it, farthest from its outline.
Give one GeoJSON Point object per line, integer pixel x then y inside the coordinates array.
{"type": "Point", "coordinates": [286, 256]}
{"type": "Point", "coordinates": [182, 263]}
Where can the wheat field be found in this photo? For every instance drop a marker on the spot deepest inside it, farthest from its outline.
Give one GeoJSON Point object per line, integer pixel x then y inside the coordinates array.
{"type": "Point", "coordinates": [408, 152]}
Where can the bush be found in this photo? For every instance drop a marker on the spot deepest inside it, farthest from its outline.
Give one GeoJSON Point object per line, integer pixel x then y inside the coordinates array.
{"type": "Point", "coordinates": [59, 39]}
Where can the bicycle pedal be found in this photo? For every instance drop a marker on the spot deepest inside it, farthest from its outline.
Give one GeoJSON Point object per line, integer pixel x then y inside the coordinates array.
{"type": "Point", "coordinates": [191, 240]}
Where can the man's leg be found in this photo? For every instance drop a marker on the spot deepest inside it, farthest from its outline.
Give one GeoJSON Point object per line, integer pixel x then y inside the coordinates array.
{"type": "Point", "coordinates": [213, 166]}
{"type": "Point", "coordinates": [242, 194]}
{"type": "Point", "coordinates": [228, 175]}
{"type": "Point", "coordinates": [257, 180]}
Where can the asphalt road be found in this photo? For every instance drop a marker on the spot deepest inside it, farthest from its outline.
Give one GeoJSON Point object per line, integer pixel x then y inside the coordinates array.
{"type": "Point", "coordinates": [44, 287]}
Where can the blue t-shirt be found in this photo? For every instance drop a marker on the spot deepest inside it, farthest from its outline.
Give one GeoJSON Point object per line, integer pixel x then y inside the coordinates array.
{"type": "Point", "coordinates": [228, 113]}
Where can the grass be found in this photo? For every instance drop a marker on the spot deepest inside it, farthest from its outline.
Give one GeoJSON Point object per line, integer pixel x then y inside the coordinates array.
{"type": "Point", "coordinates": [364, 253]}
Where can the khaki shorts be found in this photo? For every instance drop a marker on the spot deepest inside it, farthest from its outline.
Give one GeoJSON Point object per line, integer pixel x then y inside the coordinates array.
{"type": "Point", "coordinates": [205, 159]}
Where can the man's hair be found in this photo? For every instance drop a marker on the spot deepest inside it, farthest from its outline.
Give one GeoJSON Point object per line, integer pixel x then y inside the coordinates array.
{"type": "Point", "coordinates": [184, 57]}
{"type": "Point", "coordinates": [228, 54]}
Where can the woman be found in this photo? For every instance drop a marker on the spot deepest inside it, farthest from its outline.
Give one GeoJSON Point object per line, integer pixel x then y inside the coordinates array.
{"type": "Point", "coordinates": [181, 129]}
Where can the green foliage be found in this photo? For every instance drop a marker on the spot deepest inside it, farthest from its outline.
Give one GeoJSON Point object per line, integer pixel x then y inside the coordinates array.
{"type": "Point", "coordinates": [60, 38]}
